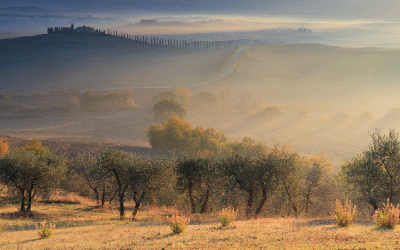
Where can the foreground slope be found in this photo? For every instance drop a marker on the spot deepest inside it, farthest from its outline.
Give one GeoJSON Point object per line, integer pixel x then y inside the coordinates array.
{"type": "Point", "coordinates": [80, 226]}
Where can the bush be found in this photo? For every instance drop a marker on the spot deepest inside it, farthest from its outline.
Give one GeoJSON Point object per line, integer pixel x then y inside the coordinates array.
{"type": "Point", "coordinates": [345, 214]}
{"type": "Point", "coordinates": [178, 223]}
{"type": "Point", "coordinates": [36, 147]}
{"type": "Point", "coordinates": [4, 149]}
{"type": "Point", "coordinates": [226, 216]}
{"type": "Point", "coordinates": [388, 216]}
{"type": "Point", "coordinates": [46, 229]}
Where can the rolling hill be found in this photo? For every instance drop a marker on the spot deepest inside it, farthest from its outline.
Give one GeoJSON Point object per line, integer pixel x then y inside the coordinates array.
{"type": "Point", "coordinates": [325, 99]}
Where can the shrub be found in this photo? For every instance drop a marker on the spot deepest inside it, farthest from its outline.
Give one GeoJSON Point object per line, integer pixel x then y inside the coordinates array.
{"type": "Point", "coordinates": [345, 214]}
{"type": "Point", "coordinates": [178, 223]}
{"type": "Point", "coordinates": [388, 216]}
{"type": "Point", "coordinates": [46, 229]}
{"type": "Point", "coordinates": [36, 147]}
{"type": "Point", "coordinates": [4, 149]}
{"type": "Point", "coordinates": [226, 216]}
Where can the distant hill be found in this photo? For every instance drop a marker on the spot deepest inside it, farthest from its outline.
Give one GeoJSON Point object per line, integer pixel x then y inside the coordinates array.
{"type": "Point", "coordinates": [24, 9]}
{"type": "Point", "coordinates": [75, 63]}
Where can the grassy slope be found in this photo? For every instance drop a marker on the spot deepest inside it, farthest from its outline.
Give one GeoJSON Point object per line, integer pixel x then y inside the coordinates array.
{"type": "Point", "coordinates": [89, 227]}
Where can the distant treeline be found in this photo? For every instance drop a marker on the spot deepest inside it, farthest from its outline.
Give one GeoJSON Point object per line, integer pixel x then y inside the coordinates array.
{"type": "Point", "coordinates": [170, 42]}
{"type": "Point", "coordinates": [140, 38]}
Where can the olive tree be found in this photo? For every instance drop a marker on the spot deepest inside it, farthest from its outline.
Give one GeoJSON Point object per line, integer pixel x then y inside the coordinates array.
{"type": "Point", "coordinates": [132, 174]}
{"type": "Point", "coordinates": [199, 176]}
{"type": "Point", "coordinates": [375, 174]}
{"type": "Point", "coordinates": [119, 164]}
{"type": "Point", "coordinates": [147, 177]}
{"type": "Point", "coordinates": [259, 172]}
{"type": "Point", "coordinates": [27, 172]}
{"type": "Point", "coordinates": [91, 174]}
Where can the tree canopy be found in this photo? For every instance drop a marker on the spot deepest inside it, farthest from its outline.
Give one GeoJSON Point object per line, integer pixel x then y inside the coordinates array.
{"type": "Point", "coordinates": [375, 174]}
{"type": "Point", "coordinates": [166, 109]}
{"type": "Point", "coordinates": [178, 135]}
{"type": "Point", "coordinates": [26, 172]}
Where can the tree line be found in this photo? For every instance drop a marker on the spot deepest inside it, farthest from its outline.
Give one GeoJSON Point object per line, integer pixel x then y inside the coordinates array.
{"type": "Point", "coordinates": [246, 175]}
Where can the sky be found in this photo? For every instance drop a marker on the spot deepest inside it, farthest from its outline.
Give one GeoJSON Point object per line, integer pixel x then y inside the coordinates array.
{"type": "Point", "coordinates": [349, 22]}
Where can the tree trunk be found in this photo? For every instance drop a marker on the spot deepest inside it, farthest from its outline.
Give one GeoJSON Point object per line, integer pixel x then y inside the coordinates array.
{"type": "Point", "coordinates": [308, 198]}
{"type": "Point", "coordinates": [192, 202]}
{"type": "Point", "coordinates": [103, 197]}
{"type": "Point", "coordinates": [113, 197]}
{"type": "Point", "coordinates": [249, 203]}
{"type": "Point", "coordinates": [373, 203]}
{"type": "Point", "coordinates": [22, 210]}
{"type": "Point", "coordinates": [291, 201]}
{"type": "Point", "coordinates": [28, 207]}
{"type": "Point", "coordinates": [154, 201]}
{"type": "Point", "coordinates": [137, 204]}
{"type": "Point", "coordinates": [262, 202]}
{"type": "Point", "coordinates": [96, 192]}
{"type": "Point", "coordinates": [121, 204]}
{"type": "Point", "coordinates": [205, 203]}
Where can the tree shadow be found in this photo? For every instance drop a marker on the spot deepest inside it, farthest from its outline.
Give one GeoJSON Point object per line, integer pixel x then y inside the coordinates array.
{"type": "Point", "coordinates": [317, 222]}
{"type": "Point", "coordinates": [5, 201]}
{"type": "Point", "coordinates": [26, 241]}
{"type": "Point", "coordinates": [159, 236]}
{"type": "Point", "coordinates": [60, 202]}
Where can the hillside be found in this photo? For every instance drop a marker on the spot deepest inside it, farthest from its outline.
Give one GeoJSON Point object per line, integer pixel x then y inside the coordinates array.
{"type": "Point", "coordinates": [63, 62]}
{"type": "Point", "coordinates": [323, 99]}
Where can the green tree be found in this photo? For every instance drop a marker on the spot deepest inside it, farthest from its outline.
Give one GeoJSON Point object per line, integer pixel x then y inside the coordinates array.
{"type": "Point", "coordinates": [147, 178]}
{"type": "Point", "coordinates": [178, 135]}
{"type": "Point", "coordinates": [27, 172]}
{"type": "Point", "coordinates": [120, 165]}
{"type": "Point", "coordinates": [36, 147]}
{"type": "Point", "coordinates": [258, 171]}
{"type": "Point", "coordinates": [198, 176]}
{"type": "Point", "coordinates": [93, 176]}
{"type": "Point", "coordinates": [317, 182]}
{"type": "Point", "coordinates": [363, 176]}
{"type": "Point", "coordinates": [174, 134]}
{"type": "Point", "coordinates": [376, 173]}
{"type": "Point", "coordinates": [166, 109]}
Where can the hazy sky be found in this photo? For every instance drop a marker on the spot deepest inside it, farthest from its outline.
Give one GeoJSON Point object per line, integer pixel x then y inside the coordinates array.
{"type": "Point", "coordinates": [358, 20]}
{"type": "Point", "coordinates": [348, 9]}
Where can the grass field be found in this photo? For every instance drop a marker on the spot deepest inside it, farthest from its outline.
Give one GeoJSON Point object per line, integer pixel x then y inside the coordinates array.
{"type": "Point", "coordinates": [86, 226]}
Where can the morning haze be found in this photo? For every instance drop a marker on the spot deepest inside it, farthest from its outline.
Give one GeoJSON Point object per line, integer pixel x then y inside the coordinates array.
{"type": "Point", "coordinates": [310, 83]}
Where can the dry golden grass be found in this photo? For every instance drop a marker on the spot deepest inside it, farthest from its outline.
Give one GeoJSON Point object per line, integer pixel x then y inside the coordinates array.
{"type": "Point", "coordinates": [81, 226]}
